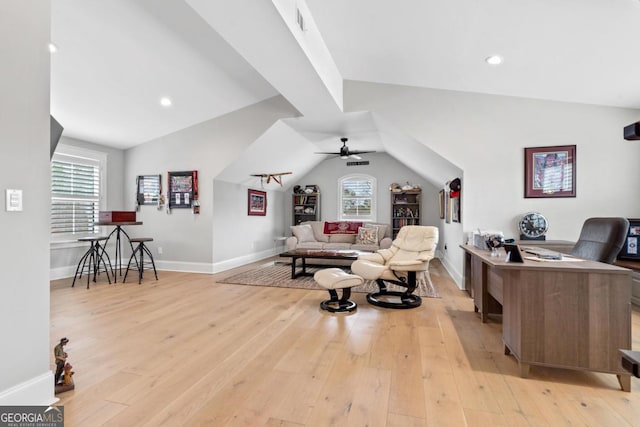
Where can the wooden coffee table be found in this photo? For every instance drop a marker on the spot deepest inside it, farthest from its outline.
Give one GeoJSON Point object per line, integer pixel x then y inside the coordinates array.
{"type": "Point", "coordinates": [303, 254]}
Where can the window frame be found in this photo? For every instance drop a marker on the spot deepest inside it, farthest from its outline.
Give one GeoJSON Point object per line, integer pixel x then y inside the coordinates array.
{"type": "Point", "coordinates": [79, 155]}
{"type": "Point", "coordinates": [357, 177]}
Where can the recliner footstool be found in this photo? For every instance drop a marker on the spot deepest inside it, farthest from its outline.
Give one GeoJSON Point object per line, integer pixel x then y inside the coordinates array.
{"type": "Point", "coordinates": [336, 278]}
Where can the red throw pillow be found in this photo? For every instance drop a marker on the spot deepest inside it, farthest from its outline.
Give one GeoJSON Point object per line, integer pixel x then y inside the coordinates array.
{"type": "Point", "coordinates": [341, 227]}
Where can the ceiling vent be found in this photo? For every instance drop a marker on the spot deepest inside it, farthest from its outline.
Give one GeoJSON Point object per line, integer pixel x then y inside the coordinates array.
{"type": "Point", "coordinates": [362, 163]}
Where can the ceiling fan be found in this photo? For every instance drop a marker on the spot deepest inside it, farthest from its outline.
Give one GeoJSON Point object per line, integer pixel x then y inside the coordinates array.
{"type": "Point", "coordinates": [345, 153]}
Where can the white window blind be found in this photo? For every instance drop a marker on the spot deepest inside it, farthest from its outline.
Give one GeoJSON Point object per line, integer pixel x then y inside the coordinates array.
{"type": "Point", "coordinates": [357, 198]}
{"type": "Point", "coordinates": [75, 194]}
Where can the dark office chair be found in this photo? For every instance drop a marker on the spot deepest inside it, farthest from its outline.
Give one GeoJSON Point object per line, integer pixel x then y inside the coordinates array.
{"type": "Point", "coordinates": [601, 239]}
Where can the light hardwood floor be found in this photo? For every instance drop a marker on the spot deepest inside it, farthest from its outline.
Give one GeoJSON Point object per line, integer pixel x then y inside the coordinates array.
{"type": "Point", "coordinates": [186, 350]}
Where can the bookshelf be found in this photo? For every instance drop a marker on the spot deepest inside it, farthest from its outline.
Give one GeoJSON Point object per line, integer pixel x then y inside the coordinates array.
{"type": "Point", "coordinates": [405, 209]}
{"type": "Point", "coordinates": [306, 207]}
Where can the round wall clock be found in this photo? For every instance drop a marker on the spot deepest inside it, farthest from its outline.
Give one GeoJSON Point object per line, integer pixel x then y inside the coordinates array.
{"type": "Point", "coordinates": [533, 226]}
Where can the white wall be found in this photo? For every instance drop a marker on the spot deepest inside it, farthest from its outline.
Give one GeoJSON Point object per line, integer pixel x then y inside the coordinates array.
{"type": "Point", "coordinates": [237, 237]}
{"type": "Point", "coordinates": [64, 256]}
{"type": "Point", "coordinates": [485, 135]}
{"type": "Point", "coordinates": [385, 169]}
{"type": "Point", "coordinates": [25, 376]}
{"type": "Point", "coordinates": [188, 241]}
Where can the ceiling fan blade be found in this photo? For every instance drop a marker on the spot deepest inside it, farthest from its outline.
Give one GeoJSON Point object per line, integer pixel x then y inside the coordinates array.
{"type": "Point", "coordinates": [326, 152]}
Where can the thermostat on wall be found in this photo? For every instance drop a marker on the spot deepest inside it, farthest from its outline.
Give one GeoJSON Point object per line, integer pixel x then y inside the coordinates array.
{"type": "Point", "coordinates": [13, 200]}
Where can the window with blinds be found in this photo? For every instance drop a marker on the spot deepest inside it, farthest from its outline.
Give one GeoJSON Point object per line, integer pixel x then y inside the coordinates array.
{"type": "Point", "coordinates": [357, 198]}
{"type": "Point", "coordinates": [75, 194]}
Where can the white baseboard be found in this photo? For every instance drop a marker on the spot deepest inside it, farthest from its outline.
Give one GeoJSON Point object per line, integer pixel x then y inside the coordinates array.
{"type": "Point", "coordinates": [37, 391]}
{"type": "Point", "coordinates": [242, 260]}
{"type": "Point", "coordinates": [182, 266]}
{"type": "Point", "coordinates": [453, 272]}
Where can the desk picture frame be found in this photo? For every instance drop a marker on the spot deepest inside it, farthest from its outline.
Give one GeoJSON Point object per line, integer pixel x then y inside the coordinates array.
{"type": "Point", "coordinates": [256, 203]}
{"type": "Point", "coordinates": [550, 171]}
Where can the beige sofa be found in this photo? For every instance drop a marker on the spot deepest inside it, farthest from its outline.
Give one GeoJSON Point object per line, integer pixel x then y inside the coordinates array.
{"type": "Point", "coordinates": [310, 235]}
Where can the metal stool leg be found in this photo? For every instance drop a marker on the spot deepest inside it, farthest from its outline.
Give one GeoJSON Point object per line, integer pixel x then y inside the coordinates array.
{"type": "Point", "coordinates": [146, 249]}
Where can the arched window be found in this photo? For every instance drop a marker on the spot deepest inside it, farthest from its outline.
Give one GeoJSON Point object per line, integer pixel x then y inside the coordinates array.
{"type": "Point", "coordinates": [357, 198]}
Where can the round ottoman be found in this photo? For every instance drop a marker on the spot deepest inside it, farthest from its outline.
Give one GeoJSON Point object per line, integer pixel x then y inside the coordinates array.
{"type": "Point", "coordinates": [336, 278]}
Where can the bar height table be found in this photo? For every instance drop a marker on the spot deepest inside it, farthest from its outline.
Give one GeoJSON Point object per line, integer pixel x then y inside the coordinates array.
{"type": "Point", "coordinates": [118, 230]}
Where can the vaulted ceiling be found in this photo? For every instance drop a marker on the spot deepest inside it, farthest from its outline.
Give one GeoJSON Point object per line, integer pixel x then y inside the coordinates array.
{"type": "Point", "coordinates": [116, 59]}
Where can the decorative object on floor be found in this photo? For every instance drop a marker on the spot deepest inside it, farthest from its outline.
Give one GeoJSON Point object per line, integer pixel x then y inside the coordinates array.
{"type": "Point", "coordinates": [279, 276]}
{"type": "Point", "coordinates": [62, 378]}
{"type": "Point", "coordinates": [550, 171]}
{"type": "Point", "coordinates": [345, 153]}
{"type": "Point", "coordinates": [533, 226]}
{"type": "Point", "coordinates": [336, 278]}
{"type": "Point", "coordinates": [276, 177]}
{"type": "Point", "coordinates": [408, 256]}
{"type": "Point", "coordinates": [68, 374]}
{"type": "Point", "coordinates": [257, 203]}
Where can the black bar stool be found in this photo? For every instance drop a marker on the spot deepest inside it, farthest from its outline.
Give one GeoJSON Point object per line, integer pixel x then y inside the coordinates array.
{"type": "Point", "coordinates": [92, 259]}
{"type": "Point", "coordinates": [138, 256]}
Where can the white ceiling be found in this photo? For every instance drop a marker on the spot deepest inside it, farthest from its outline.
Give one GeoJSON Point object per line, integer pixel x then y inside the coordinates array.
{"type": "Point", "coordinates": [117, 58]}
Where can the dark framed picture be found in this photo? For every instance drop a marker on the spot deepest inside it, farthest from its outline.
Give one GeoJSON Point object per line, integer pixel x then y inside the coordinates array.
{"type": "Point", "coordinates": [550, 171]}
{"type": "Point", "coordinates": [455, 209]}
{"type": "Point", "coordinates": [149, 189]}
{"type": "Point", "coordinates": [441, 203]}
{"type": "Point", "coordinates": [257, 203]}
{"type": "Point", "coordinates": [183, 189]}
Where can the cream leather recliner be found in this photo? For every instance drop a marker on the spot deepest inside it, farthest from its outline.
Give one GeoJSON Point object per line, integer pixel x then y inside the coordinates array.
{"type": "Point", "coordinates": [408, 256]}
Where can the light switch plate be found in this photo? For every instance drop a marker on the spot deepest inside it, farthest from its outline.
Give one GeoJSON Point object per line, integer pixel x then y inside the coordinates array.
{"type": "Point", "coordinates": [13, 200]}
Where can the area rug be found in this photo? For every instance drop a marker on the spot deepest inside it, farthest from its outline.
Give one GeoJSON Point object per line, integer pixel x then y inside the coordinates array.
{"type": "Point", "coordinates": [279, 275]}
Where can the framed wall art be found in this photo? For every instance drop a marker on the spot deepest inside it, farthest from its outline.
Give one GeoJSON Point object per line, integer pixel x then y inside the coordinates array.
{"type": "Point", "coordinates": [550, 171]}
{"type": "Point", "coordinates": [257, 203]}
{"type": "Point", "coordinates": [149, 189]}
{"type": "Point", "coordinates": [455, 209]}
{"type": "Point", "coordinates": [441, 203]}
{"type": "Point", "coordinates": [183, 189]}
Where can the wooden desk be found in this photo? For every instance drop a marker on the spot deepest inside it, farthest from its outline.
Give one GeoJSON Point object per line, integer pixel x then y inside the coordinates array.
{"type": "Point", "coordinates": [573, 315]}
{"type": "Point", "coordinates": [563, 246]}
{"type": "Point", "coordinates": [635, 277]}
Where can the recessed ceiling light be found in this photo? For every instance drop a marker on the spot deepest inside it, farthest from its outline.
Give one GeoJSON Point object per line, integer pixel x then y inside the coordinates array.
{"type": "Point", "coordinates": [53, 48]}
{"type": "Point", "coordinates": [165, 102]}
{"type": "Point", "coordinates": [494, 60]}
